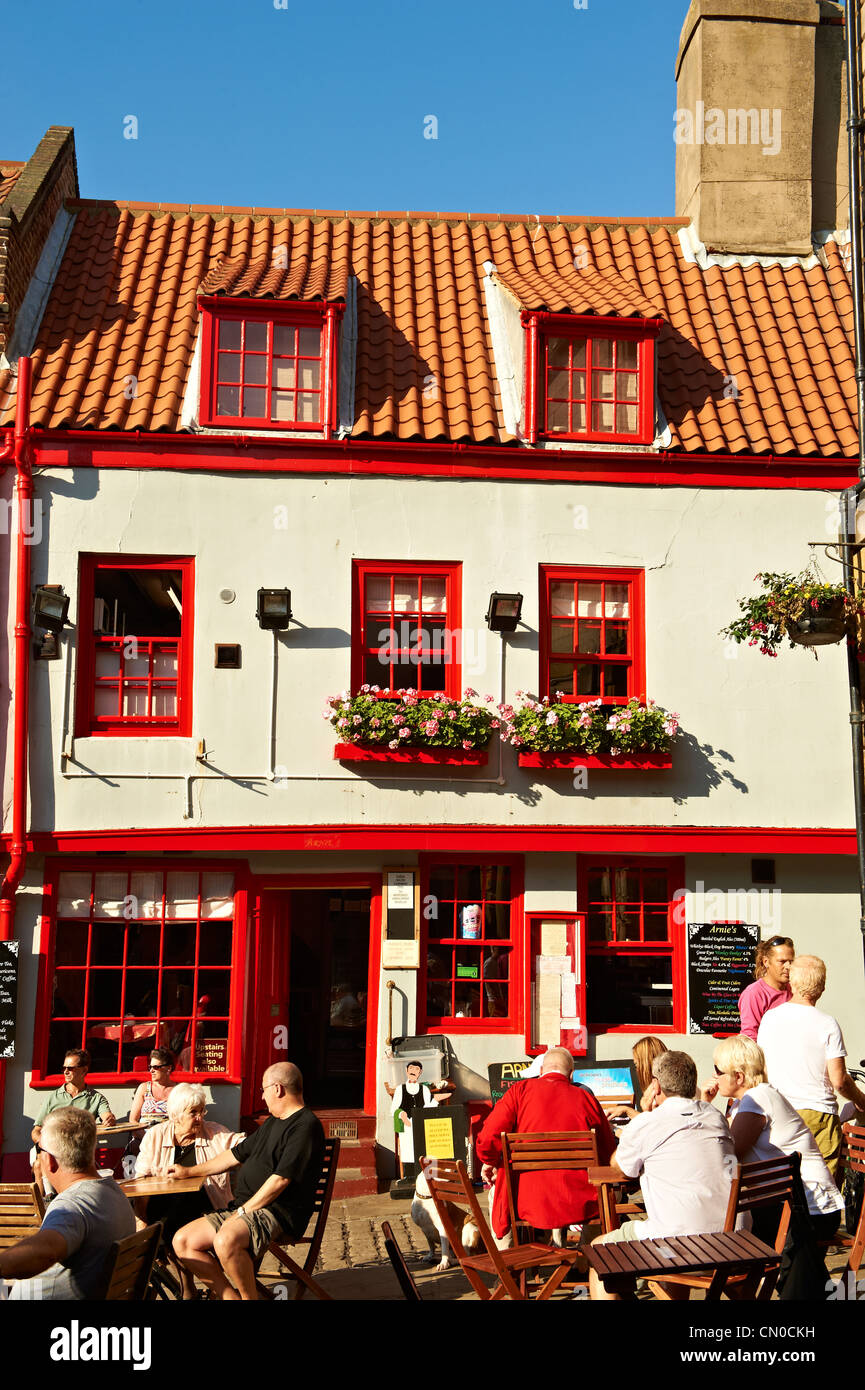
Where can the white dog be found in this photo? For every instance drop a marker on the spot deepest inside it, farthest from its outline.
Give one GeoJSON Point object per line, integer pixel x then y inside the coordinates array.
{"type": "Point", "coordinates": [427, 1219]}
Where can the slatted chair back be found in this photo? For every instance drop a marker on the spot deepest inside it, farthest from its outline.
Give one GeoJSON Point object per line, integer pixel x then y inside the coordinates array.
{"type": "Point", "coordinates": [854, 1139]}
{"type": "Point", "coordinates": [21, 1211]}
{"type": "Point", "coordinates": [570, 1151]}
{"type": "Point", "coordinates": [130, 1264]}
{"type": "Point", "coordinates": [450, 1186]}
{"type": "Point", "coordinates": [770, 1183]}
{"type": "Point", "coordinates": [410, 1290]}
{"type": "Point", "coordinates": [312, 1238]}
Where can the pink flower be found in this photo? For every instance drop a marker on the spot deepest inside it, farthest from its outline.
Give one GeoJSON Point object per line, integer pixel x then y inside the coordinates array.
{"type": "Point", "coordinates": [494, 724]}
{"type": "Point", "coordinates": [376, 723]}
{"type": "Point", "coordinates": [342, 724]}
{"type": "Point", "coordinates": [364, 689]}
{"type": "Point", "coordinates": [469, 693]}
{"type": "Point", "coordinates": [404, 732]}
{"type": "Point", "coordinates": [585, 721]}
{"type": "Point", "coordinates": [489, 699]}
{"type": "Point", "coordinates": [357, 719]}
{"type": "Point", "coordinates": [533, 728]}
{"type": "Point", "coordinates": [516, 741]}
{"type": "Point", "coordinates": [394, 743]}
{"type": "Point", "coordinates": [466, 743]}
{"type": "Point", "coordinates": [375, 690]}
{"type": "Point", "coordinates": [551, 718]}
{"type": "Point", "coordinates": [452, 714]}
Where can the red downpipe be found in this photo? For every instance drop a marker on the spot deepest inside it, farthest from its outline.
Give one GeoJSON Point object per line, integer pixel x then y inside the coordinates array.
{"type": "Point", "coordinates": [20, 453]}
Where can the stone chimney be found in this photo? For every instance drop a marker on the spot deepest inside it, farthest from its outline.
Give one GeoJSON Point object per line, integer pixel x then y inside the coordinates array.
{"type": "Point", "coordinates": [761, 143]}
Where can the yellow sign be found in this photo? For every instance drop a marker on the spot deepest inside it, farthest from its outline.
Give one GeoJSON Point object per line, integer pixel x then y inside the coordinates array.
{"type": "Point", "coordinates": [439, 1138]}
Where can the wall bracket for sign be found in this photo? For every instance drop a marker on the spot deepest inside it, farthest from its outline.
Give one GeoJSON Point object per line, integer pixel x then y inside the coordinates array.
{"type": "Point", "coordinates": [400, 947]}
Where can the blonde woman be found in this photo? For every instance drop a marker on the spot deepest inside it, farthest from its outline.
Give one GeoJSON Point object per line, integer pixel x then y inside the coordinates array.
{"type": "Point", "coordinates": [644, 1052]}
{"type": "Point", "coordinates": [766, 1126]}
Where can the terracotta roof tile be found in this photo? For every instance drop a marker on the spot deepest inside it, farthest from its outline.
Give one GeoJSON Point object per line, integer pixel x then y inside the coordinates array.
{"type": "Point", "coordinates": [9, 171]}
{"type": "Point", "coordinates": [750, 359]}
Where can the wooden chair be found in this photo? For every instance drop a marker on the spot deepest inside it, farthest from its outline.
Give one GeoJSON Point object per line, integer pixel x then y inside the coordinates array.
{"type": "Point", "coordinates": [21, 1211]}
{"type": "Point", "coordinates": [130, 1263]}
{"type": "Point", "coordinates": [854, 1144]}
{"type": "Point", "coordinates": [756, 1185]}
{"type": "Point", "coordinates": [410, 1290]}
{"type": "Point", "coordinates": [573, 1151]}
{"type": "Point", "coordinates": [323, 1194]}
{"type": "Point", "coordinates": [450, 1186]}
{"type": "Point", "coordinates": [611, 1186]}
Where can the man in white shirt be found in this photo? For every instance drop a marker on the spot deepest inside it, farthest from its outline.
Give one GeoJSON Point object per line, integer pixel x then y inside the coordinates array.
{"type": "Point", "coordinates": [804, 1051]}
{"type": "Point", "coordinates": [683, 1154]}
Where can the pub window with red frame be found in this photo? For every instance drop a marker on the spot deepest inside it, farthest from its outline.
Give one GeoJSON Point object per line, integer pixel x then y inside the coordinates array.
{"type": "Point", "coordinates": [406, 627]}
{"type": "Point", "coordinates": [595, 379]}
{"type": "Point", "coordinates": [142, 958]}
{"type": "Point", "coordinates": [470, 976]}
{"type": "Point", "coordinates": [135, 646]}
{"type": "Point", "coordinates": [634, 951]}
{"type": "Point", "coordinates": [269, 365]}
{"type": "Point", "coordinates": [592, 633]}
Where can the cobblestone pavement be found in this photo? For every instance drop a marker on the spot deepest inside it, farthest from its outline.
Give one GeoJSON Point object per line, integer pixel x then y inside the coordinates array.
{"type": "Point", "coordinates": [353, 1262]}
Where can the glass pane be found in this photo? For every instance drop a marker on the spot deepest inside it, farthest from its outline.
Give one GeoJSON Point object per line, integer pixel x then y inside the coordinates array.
{"type": "Point", "coordinates": [579, 353]}
{"type": "Point", "coordinates": [627, 925]}
{"type": "Point", "coordinates": [135, 666]}
{"type": "Point", "coordinates": [563, 637]}
{"type": "Point", "coordinates": [213, 992]}
{"type": "Point", "coordinates": [441, 881]}
{"type": "Point", "coordinates": [589, 638]}
{"type": "Point", "coordinates": [179, 944]}
{"type": "Point", "coordinates": [108, 662]}
{"type": "Point", "coordinates": [142, 947]}
{"type": "Point", "coordinates": [229, 366]}
{"type": "Point", "coordinates": [603, 417]}
{"type": "Point", "coordinates": [308, 407]}
{"type": "Point", "coordinates": [283, 341]}
{"type": "Point", "coordinates": [589, 601]}
{"type": "Point", "coordinates": [105, 701]}
{"type": "Point", "coordinates": [181, 893]}
{"type": "Point", "coordinates": [165, 663]}
{"type": "Point", "coordinates": [562, 677]}
{"type": "Point", "coordinates": [229, 333]}
{"type": "Point", "coordinates": [497, 921]}
{"type": "Point", "coordinates": [107, 943]}
{"type": "Point", "coordinates": [433, 594]}
{"type": "Point", "coordinates": [588, 680]}
{"type": "Point", "coordinates": [578, 386]}
{"type": "Point", "coordinates": [69, 986]}
{"type": "Point", "coordinates": [309, 375]}
{"type": "Point", "coordinates": [655, 924]}
{"type": "Point", "coordinates": [615, 680]}
{"type": "Point", "coordinates": [282, 405]}
{"type": "Point", "coordinates": [467, 963]}
{"type": "Point", "coordinates": [628, 886]}
{"type": "Point", "coordinates": [141, 1003]}
{"type": "Point", "coordinates": [73, 895]}
{"type": "Point", "coordinates": [405, 594]}
{"type": "Point", "coordinates": [558, 416]}
{"type": "Point", "coordinates": [626, 419]}
{"type": "Point", "coordinates": [578, 419]}
{"type": "Point", "coordinates": [599, 886]}
{"type": "Point", "coordinates": [377, 593]}
{"type": "Point", "coordinates": [630, 990]}
{"type": "Point", "coordinates": [603, 385]}
{"type": "Point", "coordinates": [177, 991]}
{"type": "Point", "coordinates": [228, 400]}
{"type": "Point", "coordinates": [310, 342]}
{"type": "Point", "coordinates": [557, 385]}
{"type": "Point", "coordinates": [256, 336]}
{"type": "Point", "coordinates": [655, 888]}
{"type": "Point", "coordinates": [441, 920]}
{"type": "Point", "coordinates": [108, 895]}
{"type": "Point", "coordinates": [467, 1000]}
{"type": "Point", "coordinates": [71, 943]}
{"type": "Point", "coordinates": [602, 352]}
{"type": "Point", "coordinates": [284, 375]}
{"type": "Point", "coordinates": [217, 895]}
{"type": "Point", "coordinates": [562, 600]}
{"type": "Point", "coordinates": [255, 370]}
{"type": "Point", "coordinates": [215, 944]}
{"type": "Point", "coordinates": [600, 924]}
{"type": "Point", "coordinates": [438, 1000]}
{"type": "Point", "coordinates": [616, 601]}
{"type": "Point", "coordinates": [469, 882]}
{"type": "Point", "coordinates": [496, 882]}
{"type": "Point", "coordinates": [626, 386]}
{"type": "Point", "coordinates": [557, 352]}
{"type": "Point", "coordinates": [626, 354]}
{"type": "Point", "coordinates": [254, 402]}
{"type": "Point", "coordinates": [135, 702]}
{"type": "Point", "coordinates": [164, 704]}
{"type": "Point", "coordinates": [616, 639]}
{"type": "Point", "coordinates": [105, 991]}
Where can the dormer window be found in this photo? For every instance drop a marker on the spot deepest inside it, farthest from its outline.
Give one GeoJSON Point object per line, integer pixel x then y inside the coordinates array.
{"type": "Point", "coordinates": [591, 379]}
{"type": "Point", "coordinates": [269, 364]}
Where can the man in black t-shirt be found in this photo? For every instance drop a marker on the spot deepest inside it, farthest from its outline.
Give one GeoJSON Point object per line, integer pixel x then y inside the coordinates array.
{"type": "Point", "coordinates": [275, 1191]}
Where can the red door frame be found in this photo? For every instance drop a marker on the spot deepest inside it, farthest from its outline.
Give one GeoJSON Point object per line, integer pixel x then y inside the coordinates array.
{"type": "Point", "coordinates": [269, 951]}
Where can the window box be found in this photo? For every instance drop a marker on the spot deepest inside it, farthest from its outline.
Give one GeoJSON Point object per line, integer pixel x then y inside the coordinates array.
{"type": "Point", "coordinates": [405, 628]}
{"type": "Point", "coordinates": [135, 619]}
{"type": "Point", "coordinates": [269, 364]}
{"type": "Point", "coordinates": [590, 379]}
{"type": "Point", "coordinates": [625, 762]}
{"type": "Point", "coordinates": [444, 757]}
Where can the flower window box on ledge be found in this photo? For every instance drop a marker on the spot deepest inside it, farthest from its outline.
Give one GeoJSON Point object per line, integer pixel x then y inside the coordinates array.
{"type": "Point", "coordinates": [406, 726]}
{"type": "Point", "coordinates": [627, 737]}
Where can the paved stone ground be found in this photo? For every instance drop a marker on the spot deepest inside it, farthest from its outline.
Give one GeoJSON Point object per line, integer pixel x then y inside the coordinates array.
{"type": "Point", "coordinates": [353, 1263]}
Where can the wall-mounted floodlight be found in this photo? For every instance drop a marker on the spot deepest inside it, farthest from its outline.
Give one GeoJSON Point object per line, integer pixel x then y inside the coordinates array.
{"type": "Point", "coordinates": [50, 607]}
{"type": "Point", "coordinates": [504, 611]}
{"type": "Point", "coordinates": [274, 609]}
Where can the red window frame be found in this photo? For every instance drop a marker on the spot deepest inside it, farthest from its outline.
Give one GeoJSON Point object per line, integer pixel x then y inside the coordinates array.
{"type": "Point", "coordinates": [232, 1075]}
{"type": "Point", "coordinates": [513, 1022]}
{"type": "Point", "coordinates": [297, 314]}
{"type": "Point", "coordinates": [451, 572]}
{"type": "Point", "coordinates": [541, 327]}
{"type": "Point", "coordinates": [87, 723]}
{"type": "Point", "coordinates": [634, 659]}
{"type": "Point", "coordinates": [673, 947]}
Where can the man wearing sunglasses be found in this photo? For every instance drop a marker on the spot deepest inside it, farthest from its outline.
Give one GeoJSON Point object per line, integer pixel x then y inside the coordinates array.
{"type": "Point", "coordinates": [76, 1093]}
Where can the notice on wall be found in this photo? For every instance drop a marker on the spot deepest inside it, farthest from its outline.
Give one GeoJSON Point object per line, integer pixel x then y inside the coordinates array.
{"type": "Point", "coordinates": [720, 965]}
{"type": "Point", "coordinates": [569, 999]}
{"type": "Point", "coordinates": [8, 996]}
{"type": "Point", "coordinates": [548, 993]}
{"type": "Point", "coordinates": [440, 1133]}
{"type": "Point", "coordinates": [554, 938]}
{"type": "Point", "coordinates": [400, 948]}
{"type": "Point", "coordinates": [211, 1054]}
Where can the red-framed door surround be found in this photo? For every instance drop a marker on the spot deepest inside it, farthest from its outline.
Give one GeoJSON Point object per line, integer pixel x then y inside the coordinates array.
{"type": "Point", "coordinates": [266, 948]}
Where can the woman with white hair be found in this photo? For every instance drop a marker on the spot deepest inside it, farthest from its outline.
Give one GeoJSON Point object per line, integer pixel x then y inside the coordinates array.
{"type": "Point", "coordinates": [186, 1138]}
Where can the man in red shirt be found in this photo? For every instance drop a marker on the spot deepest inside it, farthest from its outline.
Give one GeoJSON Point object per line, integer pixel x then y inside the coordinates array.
{"type": "Point", "coordinates": [547, 1104]}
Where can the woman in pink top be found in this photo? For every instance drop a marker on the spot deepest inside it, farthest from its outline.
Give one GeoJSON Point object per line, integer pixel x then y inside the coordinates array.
{"type": "Point", "coordinates": [770, 987]}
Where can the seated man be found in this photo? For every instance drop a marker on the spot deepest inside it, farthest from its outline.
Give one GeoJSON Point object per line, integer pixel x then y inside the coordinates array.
{"type": "Point", "coordinates": [68, 1252]}
{"type": "Point", "coordinates": [546, 1104]}
{"type": "Point", "coordinates": [682, 1152]}
{"type": "Point", "coordinates": [74, 1092]}
{"type": "Point", "coordinates": [280, 1166]}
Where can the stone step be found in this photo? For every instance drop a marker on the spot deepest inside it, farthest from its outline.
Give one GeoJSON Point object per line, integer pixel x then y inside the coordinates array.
{"type": "Point", "coordinates": [355, 1187]}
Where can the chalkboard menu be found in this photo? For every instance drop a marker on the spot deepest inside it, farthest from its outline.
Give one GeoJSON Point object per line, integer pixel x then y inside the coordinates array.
{"type": "Point", "coordinates": [502, 1076]}
{"type": "Point", "coordinates": [720, 965]}
{"type": "Point", "coordinates": [8, 996]}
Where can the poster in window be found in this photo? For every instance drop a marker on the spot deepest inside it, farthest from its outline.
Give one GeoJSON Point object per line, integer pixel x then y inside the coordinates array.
{"type": "Point", "coordinates": [401, 925]}
{"type": "Point", "coordinates": [720, 965]}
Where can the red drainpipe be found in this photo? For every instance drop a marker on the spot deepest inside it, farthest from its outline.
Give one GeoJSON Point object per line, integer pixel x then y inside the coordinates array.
{"type": "Point", "coordinates": [20, 454]}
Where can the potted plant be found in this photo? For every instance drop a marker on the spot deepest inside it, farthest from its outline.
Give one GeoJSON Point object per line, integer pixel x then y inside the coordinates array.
{"type": "Point", "coordinates": [405, 726]}
{"type": "Point", "coordinates": [560, 733]}
{"type": "Point", "coordinates": [801, 607]}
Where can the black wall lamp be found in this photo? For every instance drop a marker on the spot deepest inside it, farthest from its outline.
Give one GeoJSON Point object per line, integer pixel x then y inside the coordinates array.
{"type": "Point", "coordinates": [504, 612]}
{"type": "Point", "coordinates": [274, 609]}
{"type": "Point", "coordinates": [50, 607]}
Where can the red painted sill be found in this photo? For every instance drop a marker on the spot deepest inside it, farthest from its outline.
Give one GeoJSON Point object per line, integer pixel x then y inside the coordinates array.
{"type": "Point", "coordinates": [625, 762]}
{"type": "Point", "coordinates": [457, 757]}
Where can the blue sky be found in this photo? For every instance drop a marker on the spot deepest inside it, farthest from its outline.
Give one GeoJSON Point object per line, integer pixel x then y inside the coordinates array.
{"type": "Point", "coordinates": [540, 106]}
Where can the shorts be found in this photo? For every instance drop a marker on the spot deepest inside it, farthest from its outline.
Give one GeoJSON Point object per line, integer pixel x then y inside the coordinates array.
{"type": "Point", "coordinates": [826, 1130]}
{"type": "Point", "coordinates": [262, 1225]}
{"type": "Point", "coordinates": [629, 1230]}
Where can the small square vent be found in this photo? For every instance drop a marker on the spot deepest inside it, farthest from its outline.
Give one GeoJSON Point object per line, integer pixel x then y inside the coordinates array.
{"type": "Point", "coordinates": [227, 656]}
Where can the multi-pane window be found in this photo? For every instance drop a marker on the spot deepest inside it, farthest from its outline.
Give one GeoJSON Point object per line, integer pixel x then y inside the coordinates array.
{"type": "Point", "coordinates": [470, 970]}
{"type": "Point", "coordinates": [591, 633]}
{"type": "Point", "coordinates": [592, 386]}
{"type": "Point", "coordinates": [407, 632]}
{"type": "Point", "coordinates": [268, 372]}
{"type": "Point", "coordinates": [142, 958]}
{"type": "Point", "coordinates": [631, 943]}
{"type": "Point", "coordinates": [135, 656]}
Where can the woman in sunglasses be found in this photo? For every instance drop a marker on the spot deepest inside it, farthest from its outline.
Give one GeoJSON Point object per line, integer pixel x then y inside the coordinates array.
{"type": "Point", "coordinates": [771, 983]}
{"type": "Point", "coordinates": [151, 1098]}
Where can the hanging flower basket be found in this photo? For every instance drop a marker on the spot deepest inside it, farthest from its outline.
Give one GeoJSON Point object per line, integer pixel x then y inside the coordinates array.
{"type": "Point", "coordinates": [821, 628]}
{"type": "Point", "coordinates": [800, 607]}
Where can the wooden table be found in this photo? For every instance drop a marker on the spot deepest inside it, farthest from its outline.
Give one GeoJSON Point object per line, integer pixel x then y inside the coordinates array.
{"type": "Point", "coordinates": [160, 1186]}
{"type": "Point", "coordinates": [127, 1127]}
{"type": "Point", "coordinates": [607, 1181]}
{"type": "Point", "coordinates": [719, 1253]}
